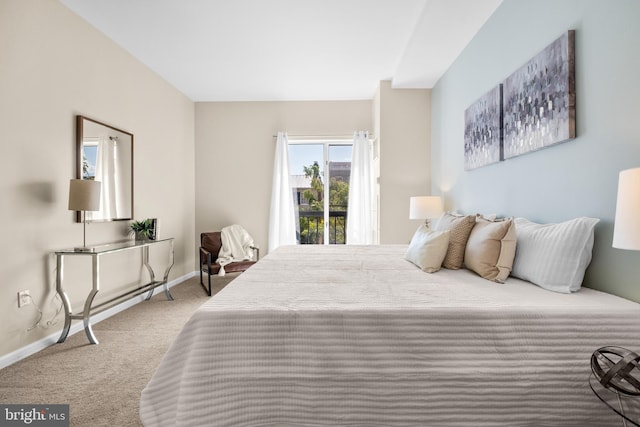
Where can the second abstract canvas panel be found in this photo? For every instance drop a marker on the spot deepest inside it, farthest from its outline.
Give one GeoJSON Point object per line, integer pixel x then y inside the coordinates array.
{"type": "Point", "coordinates": [540, 100]}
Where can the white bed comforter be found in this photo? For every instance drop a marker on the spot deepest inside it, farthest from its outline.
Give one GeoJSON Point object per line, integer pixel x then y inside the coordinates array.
{"type": "Point", "coordinates": [357, 336]}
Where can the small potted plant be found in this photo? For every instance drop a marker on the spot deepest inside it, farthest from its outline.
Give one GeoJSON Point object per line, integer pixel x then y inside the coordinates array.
{"type": "Point", "coordinates": [143, 230]}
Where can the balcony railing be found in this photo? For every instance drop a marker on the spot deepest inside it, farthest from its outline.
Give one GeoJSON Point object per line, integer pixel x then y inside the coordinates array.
{"type": "Point", "coordinates": [312, 227]}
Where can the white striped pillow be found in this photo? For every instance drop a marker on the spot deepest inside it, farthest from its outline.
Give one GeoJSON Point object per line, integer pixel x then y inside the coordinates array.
{"type": "Point", "coordinates": [554, 256]}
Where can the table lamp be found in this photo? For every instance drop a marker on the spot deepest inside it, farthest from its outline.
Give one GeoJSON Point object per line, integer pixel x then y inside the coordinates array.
{"type": "Point", "coordinates": [626, 229]}
{"type": "Point", "coordinates": [425, 207]}
{"type": "Point", "coordinates": [84, 195]}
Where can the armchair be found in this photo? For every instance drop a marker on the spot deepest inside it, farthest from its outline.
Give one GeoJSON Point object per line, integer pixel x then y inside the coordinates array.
{"type": "Point", "coordinates": [210, 245]}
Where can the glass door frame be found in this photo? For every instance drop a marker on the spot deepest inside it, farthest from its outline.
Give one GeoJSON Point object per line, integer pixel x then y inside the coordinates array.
{"type": "Point", "coordinates": [326, 143]}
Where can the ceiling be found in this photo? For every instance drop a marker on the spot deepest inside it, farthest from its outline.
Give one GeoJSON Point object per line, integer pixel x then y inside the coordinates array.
{"type": "Point", "coordinates": [263, 50]}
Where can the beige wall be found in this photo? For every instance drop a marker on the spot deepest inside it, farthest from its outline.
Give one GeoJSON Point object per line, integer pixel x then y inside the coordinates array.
{"type": "Point", "coordinates": [235, 149]}
{"type": "Point", "coordinates": [54, 66]}
{"type": "Point", "coordinates": [404, 128]}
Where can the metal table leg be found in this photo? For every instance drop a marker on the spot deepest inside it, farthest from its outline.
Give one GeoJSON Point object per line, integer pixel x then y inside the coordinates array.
{"type": "Point", "coordinates": [63, 297]}
{"type": "Point", "coordinates": [152, 276]}
{"type": "Point", "coordinates": [145, 261]}
{"type": "Point", "coordinates": [166, 275]}
{"type": "Point", "coordinates": [86, 314]}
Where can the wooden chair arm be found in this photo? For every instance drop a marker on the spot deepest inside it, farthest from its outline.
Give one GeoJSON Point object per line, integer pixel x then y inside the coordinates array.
{"type": "Point", "coordinates": [257, 251]}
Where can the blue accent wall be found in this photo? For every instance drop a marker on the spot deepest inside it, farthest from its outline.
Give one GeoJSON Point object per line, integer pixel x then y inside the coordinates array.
{"type": "Point", "coordinates": [564, 181]}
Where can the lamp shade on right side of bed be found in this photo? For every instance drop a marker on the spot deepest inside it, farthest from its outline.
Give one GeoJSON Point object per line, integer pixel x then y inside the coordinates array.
{"type": "Point", "coordinates": [626, 231]}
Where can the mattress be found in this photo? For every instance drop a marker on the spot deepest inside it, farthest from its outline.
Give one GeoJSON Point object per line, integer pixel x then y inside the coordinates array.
{"type": "Point", "coordinates": [358, 336]}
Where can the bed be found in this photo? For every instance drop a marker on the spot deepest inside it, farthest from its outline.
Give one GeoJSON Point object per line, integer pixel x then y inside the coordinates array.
{"type": "Point", "coordinates": [358, 336]}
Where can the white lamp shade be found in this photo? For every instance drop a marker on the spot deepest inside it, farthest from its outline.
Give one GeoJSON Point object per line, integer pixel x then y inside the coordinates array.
{"type": "Point", "coordinates": [84, 195]}
{"type": "Point", "coordinates": [425, 207]}
{"type": "Point", "coordinates": [626, 230]}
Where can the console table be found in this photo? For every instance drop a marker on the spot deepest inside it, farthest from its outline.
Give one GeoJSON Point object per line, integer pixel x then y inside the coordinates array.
{"type": "Point", "coordinates": [96, 253]}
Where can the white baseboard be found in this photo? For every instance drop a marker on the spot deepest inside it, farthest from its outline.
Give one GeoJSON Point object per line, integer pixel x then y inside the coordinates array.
{"type": "Point", "coordinates": [45, 342]}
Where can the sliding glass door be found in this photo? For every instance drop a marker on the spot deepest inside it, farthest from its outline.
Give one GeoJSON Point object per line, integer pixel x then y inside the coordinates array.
{"type": "Point", "coordinates": [320, 172]}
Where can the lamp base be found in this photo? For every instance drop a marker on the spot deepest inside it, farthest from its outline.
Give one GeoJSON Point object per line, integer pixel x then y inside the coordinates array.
{"type": "Point", "coordinates": [83, 249]}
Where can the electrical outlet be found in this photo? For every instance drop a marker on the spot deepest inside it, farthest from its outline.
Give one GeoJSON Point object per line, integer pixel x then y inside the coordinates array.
{"type": "Point", "coordinates": [24, 298]}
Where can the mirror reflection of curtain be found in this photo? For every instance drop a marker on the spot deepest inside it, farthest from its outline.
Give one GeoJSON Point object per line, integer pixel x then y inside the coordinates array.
{"type": "Point", "coordinates": [107, 174]}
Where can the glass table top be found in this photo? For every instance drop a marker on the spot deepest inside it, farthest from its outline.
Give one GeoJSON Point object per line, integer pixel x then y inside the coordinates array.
{"type": "Point", "coordinates": [112, 247]}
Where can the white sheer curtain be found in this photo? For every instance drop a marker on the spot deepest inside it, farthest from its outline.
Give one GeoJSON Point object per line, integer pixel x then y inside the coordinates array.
{"type": "Point", "coordinates": [106, 174]}
{"type": "Point", "coordinates": [282, 217]}
{"type": "Point", "coordinates": [360, 225]}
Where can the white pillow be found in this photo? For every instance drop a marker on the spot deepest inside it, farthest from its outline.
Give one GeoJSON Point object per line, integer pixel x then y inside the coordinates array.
{"type": "Point", "coordinates": [554, 256]}
{"type": "Point", "coordinates": [428, 248]}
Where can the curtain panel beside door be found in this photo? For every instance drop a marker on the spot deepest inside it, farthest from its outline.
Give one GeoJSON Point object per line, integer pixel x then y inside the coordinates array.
{"type": "Point", "coordinates": [282, 218]}
{"type": "Point", "coordinates": [360, 224]}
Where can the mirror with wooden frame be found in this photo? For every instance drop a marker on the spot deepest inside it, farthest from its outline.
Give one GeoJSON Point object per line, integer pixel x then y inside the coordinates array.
{"type": "Point", "coordinates": [105, 153]}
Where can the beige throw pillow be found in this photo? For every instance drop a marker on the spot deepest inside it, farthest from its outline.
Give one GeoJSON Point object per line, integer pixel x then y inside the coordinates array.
{"type": "Point", "coordinates": [428, 248]}
{"type": "Point", "coordinates": [491, 249]}
{"type": "Point", "coordinates": [459, 228]}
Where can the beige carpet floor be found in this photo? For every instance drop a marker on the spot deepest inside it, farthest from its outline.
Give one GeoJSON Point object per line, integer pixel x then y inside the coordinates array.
{"type": "Point", "coordinates": [102, 383]}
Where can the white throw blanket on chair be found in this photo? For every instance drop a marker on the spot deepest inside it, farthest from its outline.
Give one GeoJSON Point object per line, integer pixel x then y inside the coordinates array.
{"type": "Point", "coordinates": [237, 245]}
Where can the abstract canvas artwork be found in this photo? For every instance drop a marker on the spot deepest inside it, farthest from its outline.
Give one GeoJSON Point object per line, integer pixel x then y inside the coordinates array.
{"type": "Point", "coordinates": [483, 130]}
{"type": "Point", "coordinates": [539, 100]}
